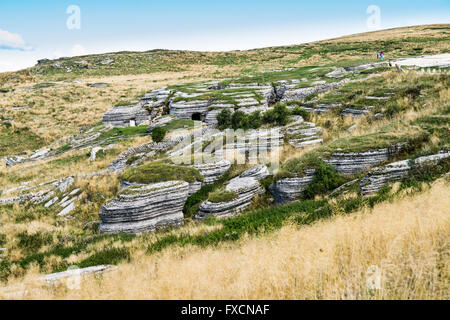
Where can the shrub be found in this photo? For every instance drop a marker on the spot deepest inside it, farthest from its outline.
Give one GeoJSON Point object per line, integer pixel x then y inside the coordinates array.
{"type": "Point", "coordinates": [158, 134]}
{"type": "Point", "coordinates": [222, 196]}
{"type": "Point", "coordinates": [110, 256]}
{"type": "Point", "coordinates": [298, 111]}
{"type": "Point", "coordinates": [236, 119]}
{"type": "Point", "coordinates": [326, 179]}
{"type": "Point", "coordinates": [224, 119]}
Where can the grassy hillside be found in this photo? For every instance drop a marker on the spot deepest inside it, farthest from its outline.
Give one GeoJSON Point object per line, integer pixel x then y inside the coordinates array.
{"type": "Point", "coordinates": [57, 102]}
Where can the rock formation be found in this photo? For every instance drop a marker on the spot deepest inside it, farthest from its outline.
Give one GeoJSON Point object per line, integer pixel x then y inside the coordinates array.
{"type": "Point", "coordinates": [125, 116]}
{"type": "Point", "coordinates": [396, 171]}
{"type": "Point", "coordinates": [356, 162]}
{"type": "Point", "coordinates": [289, 189]}
{"type": "Point", "coordinates": [145, 208]}
{"type": "Point", "coordinates": [245, 187]}
{"type": "Point", "coordinates": [213, 170]}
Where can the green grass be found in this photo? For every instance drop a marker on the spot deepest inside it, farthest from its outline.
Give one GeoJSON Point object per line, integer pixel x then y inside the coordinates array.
{"type": "Point", "coordinates": [124, 132]}
{"type": "Point", "coordinates": [18, 140]}
{"type": "Point", "coordinates": [373, 141]}
{"type": "Point", "coordinates": [159, 172]}
{"type": "Point", "coordinates": [220, 196]}
{"type": "Point", "coordinates": [180, 124]}
{"type": "Point", "coordinates": [296, 167]}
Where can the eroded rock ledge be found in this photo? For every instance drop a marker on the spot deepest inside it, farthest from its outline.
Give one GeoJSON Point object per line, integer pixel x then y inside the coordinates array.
{"type": "Point", "coordinates": [289, 189]}
{"type": "Point", "coordinates": [246, 187]}
{"type": "Point", "coordinates": [356, 162]}
{"type": "Point", "coordinates": [145, 208]}
{"type": "Point", "coordinates": [396, 171]}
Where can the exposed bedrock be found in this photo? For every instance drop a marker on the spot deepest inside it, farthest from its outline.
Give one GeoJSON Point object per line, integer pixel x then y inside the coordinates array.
{"type": "Point", "coordinates": [145, 208]}
{"type": "Point", "coordinates": [212, 171]}
{"type": "Point", "coordinates": [258, 172]}
{"type": "Point", "coordinates": [193, 110]}
{"type": "Point", "coordinates": [303, 93]}
{"type": "Point", "coordinates": [276, 94]}
{"type": "Point", "coordinates": [124, 116]}
{"type": "Point", "coordinates": [356, 162]}
{"type": "Point", "coordinates": [245, 187]}
{"type": "Point", "coordinates": [379, 177]}
{"type": "Point", "coordinates": [304, 134]}
{"type": "Point", "coordinates": [289, 189]}
{"type": "Point", "coordinates": [139, 153]}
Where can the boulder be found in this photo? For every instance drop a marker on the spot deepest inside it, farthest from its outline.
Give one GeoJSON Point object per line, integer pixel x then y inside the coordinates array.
{"type": "Point", "coordinates": [246, 188]}
{"type": "Point", "coordinates": [289, 189]}
{"type": "Point", "coordinates": [356, 162]}
{"type": "Point", "coordinates": [145, 208]}
{"type": "Point", "coordinates": [212, 171]}
{"type": "Point", "coordinates": [125, 116]}
{"type": "Point", "coordinates": [396, 171]}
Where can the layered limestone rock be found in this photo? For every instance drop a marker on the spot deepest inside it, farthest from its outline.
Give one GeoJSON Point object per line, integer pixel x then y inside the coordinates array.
{"type": "Point", "coordinates": [125, 116]}
{"type": "Point", "coordinates": [145, 208]}
{"type": "Point", "coordinates": [191, 110]}
{"type": "Point", "coordinates": [39, 193]}
{"type": "Point", "coordinates": [257, 172]}
{"type": "Point", "coordinates": [289, 189]}
{"type": "Point", "coordinates": [245, 187]}
{"type": "Point", "coordinates": [396, 171]}
{"type": "Point", "coordinates": [213, 170]}
{"type": "Point", "coordinates": [356, 162]}
{"type": "Point", "coordinates": [138, 155]}
{"type": "Point", "coordinates": [304, 134]}
{"type": "Point", "coordinates": [303, 93]}
{"type": "Point", "coordinates": [252, 144]}
{"type": "Point", "coordinates": [354, 112]}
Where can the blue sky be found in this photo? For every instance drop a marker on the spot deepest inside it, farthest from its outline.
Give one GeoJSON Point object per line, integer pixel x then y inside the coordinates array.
{"type": "Point", "coordinates": [31, 30]}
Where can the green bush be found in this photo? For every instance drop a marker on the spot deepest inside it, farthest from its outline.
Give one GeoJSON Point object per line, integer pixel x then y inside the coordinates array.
{"type": "Point", "coordinates": [219, 196]}
{"type": "Point", "coordinates": [279, 115]}
{"type": "Point", "coordinates": [298, 111]}
{"type": "Point", "coordinates": [236, 119]}
{"type": "Point", "coordinates": [224, 119]}
{"type": "Point", "coordinates": [110, 256]}
{"type": "Point", "coordinates": [158, 134]}
{"type": "Point", "coordinates": [326, 179]}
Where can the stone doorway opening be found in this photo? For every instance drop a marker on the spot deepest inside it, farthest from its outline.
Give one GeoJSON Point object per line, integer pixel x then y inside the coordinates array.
{"type": "Point", "coordinates": [198, 117]}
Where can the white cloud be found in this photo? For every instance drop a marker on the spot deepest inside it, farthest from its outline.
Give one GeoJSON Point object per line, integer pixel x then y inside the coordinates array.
{"type": "Point", "coordinates": [12, 41]}
{"type": "Point", "coordinates": [77, 50]}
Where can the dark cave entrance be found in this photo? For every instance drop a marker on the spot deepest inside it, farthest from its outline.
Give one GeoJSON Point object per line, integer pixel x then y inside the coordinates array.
{"type": "Point", "coordinates": [198, 117]}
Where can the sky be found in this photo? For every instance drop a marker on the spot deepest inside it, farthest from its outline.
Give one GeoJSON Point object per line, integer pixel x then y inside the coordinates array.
{"type": "Point", "coordinates": [32, 30]}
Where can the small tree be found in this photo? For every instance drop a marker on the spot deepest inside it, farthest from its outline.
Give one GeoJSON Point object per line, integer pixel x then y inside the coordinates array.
{"type": "Point", "coordinates": [236, 119]}
{"type": "Point", "coordinates": [158, 134]}
{"type": "Point", "coordinates": [224, 119]}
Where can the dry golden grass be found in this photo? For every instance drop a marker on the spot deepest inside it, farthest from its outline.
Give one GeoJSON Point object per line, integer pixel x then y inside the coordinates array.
{"type": "Point", "coordinates": [404, 242]}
